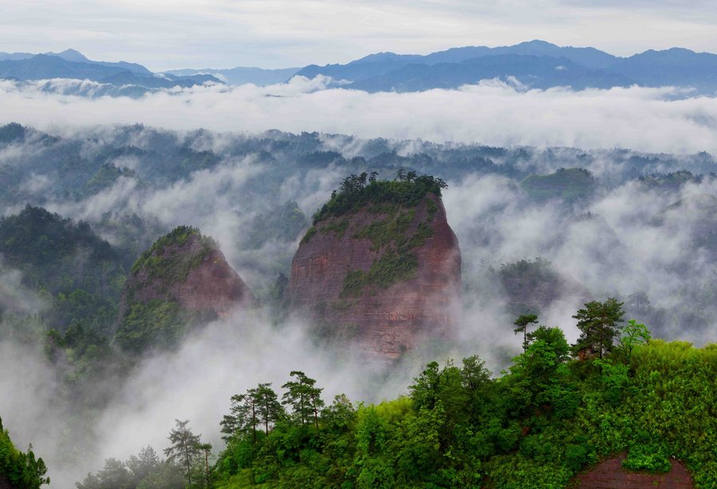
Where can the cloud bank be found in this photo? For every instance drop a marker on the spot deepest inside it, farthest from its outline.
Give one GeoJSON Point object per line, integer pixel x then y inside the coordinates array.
{"type": "Point", "coordinates": [491, 113]}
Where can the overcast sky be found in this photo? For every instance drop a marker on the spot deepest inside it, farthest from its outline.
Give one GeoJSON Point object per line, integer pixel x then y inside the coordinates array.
{"type": "Point", "coordinates": [164, 34]}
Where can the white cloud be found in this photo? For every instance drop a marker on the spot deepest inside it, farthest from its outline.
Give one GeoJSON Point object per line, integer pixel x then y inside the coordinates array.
{"type": "Point", "coordinates": [491, 112]}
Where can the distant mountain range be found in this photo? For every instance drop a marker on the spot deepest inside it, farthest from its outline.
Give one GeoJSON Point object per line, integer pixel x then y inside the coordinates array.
{"type": "Point", "coordinates": [533, 64]}
{"type": "Point", "coordinates": [119, 78]}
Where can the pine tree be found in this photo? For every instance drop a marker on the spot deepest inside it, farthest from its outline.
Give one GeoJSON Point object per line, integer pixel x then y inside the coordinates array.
{"type": "Point", "coordinates": [185, 447]}
{"type": "Point", "coordinates": [522, 323]}
{"type": "Point", "coordinates": [269, 408]}
{"type": "Point", "coordinates": [599, 324]}
{"type": "Point", "coordinates": [303, 397]}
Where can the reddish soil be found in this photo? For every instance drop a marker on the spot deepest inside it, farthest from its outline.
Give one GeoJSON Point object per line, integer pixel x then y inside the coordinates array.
{"type": "Point", "coordinates": [4, 483]}
{"type": "Point", "coordinates": [611, 475]}
{"type": "Point", "coordinates": [385, 322]}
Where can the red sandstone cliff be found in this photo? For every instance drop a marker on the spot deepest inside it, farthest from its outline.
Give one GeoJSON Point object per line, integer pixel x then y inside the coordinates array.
{"type": "Point", "coordinates": [190, 270]}
{"type": "Point", "coordinates": [181, 281]}
{"type": "Point", "coordinates": [384, 319]}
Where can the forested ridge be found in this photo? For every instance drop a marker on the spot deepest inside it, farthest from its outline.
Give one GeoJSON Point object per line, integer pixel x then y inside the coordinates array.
{"type": "Point", "coordinates": [557, 410]}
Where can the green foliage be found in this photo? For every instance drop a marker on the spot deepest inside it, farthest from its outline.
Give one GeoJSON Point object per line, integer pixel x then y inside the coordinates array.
{"type": "Point", "coordinates": [387, 270]}
{"type": "Point", "coordinates": [337, 227]}
{"type": "Point", "coordinates": [20, 469]}
{"type": "Point", "coordinates": [599, 324]}
{"type": "Point", "coordinates": [309, 234]}
{"type": "Point", "coordinates": [156, 323]}
{"type": "Point", "coordinates": [184, 449]}
{"type": "Point", "coordinates": [522, 323]}
{"type": "Point", "coordinates": [534, 427]}
{"type": "Point", "coordinates": [394, 239]}
{"type": "Point", "coordinates": [650, 457]}
{"type": "Point", "coordinates": [394, 235]}
{"type": "Point", "coordinates": [303, 397]}
{"type": "Point", "coordinates": [358, 191]}
{"type": "Point", "coordinates": [167, 261]}
{"type": "Point", "coordinates": [81, 273]}
{"type": "Point", "coordinates": [633, 334]}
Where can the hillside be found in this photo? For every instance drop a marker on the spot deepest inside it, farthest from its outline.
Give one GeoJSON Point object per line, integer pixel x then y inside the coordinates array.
{"type": "Point", "coordinates": [79, 273]}
{"type": "Point", "coordinates": [639, 416]}
{"type": "Point", "coordinates": [380, 266]}
{"type": "Point", "coordinates": [182, 280]}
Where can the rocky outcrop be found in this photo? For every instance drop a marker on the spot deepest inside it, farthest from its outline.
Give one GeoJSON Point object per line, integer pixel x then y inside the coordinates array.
{"type": "Point", "coordinates": [182, 279]}
{"type": "Point", "coordinates": [384, 275]}
{"type": "Point", "coordinates": [610, 474]}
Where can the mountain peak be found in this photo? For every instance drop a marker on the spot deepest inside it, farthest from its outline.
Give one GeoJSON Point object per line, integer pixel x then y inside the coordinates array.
{"type": "Point", "coordinates": [72, 55]}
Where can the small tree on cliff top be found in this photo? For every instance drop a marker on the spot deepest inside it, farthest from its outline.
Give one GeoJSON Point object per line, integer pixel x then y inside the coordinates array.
{"type": "Point", "coordinates": [599, 323]}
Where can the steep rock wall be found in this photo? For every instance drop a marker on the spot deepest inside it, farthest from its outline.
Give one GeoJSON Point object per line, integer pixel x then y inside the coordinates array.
{"type": "Point", "coordinates": [183, 278]}
{"type": "Point", "coordinates": [384, 276]}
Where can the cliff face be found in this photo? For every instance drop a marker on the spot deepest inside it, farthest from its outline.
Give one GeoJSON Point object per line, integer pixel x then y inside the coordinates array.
{"type": "Point", "coordinates": [384, 275]}
{"type": "Point", "coordinates": [182, 279]}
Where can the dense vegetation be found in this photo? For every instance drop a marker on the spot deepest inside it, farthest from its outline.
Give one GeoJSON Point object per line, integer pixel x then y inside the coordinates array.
{"type": "Point", "coordinates": [20, 469]}
{"type": "Point", "coordinates": [360, 191]}
{"type": "Point", "coordinates": [556, 411]}
{"type": "Point", "coordinates": [166, 261]}
{"type": "Point", "coordinates": [63, 257]}
{"type": "Point", "coordinates": [547, 417]}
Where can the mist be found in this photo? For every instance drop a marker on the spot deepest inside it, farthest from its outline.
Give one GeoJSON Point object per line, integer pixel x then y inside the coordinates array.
{"type": "Point", "coordinates": [627, 239]}
{"type": "Point", "coordinates": [491, 112]}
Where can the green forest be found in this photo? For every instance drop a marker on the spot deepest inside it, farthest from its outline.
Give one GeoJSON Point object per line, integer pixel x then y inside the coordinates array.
{"type": "Point", "coordinates": [557, 410]}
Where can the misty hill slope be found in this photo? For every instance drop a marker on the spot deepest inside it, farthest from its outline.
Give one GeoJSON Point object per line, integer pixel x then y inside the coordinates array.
{"type": "Point", "coordinates": [183, 279]}
{"type": "Point", "coordinates": [566, 184]}
{"type": "Point", "coordinates": [79, 274]}
{"type": "Point", "coordinates": [380, 267]}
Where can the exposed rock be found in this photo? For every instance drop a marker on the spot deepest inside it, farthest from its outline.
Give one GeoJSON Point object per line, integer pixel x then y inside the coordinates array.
{"type": "Point", "coordinates": [182, 279]}
{"type": "Point", "coordinates": [382, 274]}
{"type": "Point", "coordinates": [610, 474]}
